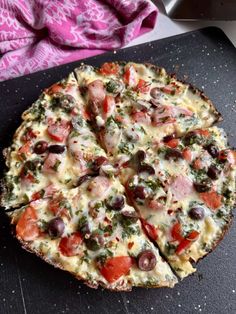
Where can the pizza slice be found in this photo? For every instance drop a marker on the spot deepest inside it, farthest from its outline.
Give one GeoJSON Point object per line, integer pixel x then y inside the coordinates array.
{"type": "Point", "coordinates": [135, 105]}
{"type": "Point", "coordinates": [184, 191]}
{"type": "Point", "coordinates": [52, 148]}
{"type": "Point", "coordinates": [94, 234]}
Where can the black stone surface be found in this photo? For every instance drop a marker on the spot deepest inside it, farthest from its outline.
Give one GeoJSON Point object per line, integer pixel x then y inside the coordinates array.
{"type": "Point", "coordinates": [28, 285]}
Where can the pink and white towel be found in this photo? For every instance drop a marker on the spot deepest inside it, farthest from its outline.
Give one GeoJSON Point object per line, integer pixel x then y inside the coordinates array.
{"type": "Point", "coordinates": [38, 34]}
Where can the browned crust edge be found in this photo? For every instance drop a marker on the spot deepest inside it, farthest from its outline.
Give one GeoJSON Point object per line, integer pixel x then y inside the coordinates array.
{"type": "Point", "coordinates": [28, 248]}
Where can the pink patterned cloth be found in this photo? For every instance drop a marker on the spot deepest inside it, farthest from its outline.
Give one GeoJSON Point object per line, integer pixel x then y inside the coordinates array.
{"type": "Point", "coordinates": [38, 34]}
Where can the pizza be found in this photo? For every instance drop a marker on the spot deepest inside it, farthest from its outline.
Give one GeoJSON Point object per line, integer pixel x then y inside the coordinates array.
{"type": "Point", "coordinates": [119, 176]}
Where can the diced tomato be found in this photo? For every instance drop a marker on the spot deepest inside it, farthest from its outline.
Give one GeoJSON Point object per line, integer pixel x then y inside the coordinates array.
{"type": "Point", "coordinates": [143, 86]}
{"type": "Point", "coordinates": [55, 88]}
{"type": "Point", "coordinates": [176, 232]}
{"type": "Point", "coordinates": [27, 228]}
{"type": "Point", "coordinates": [149, 229]}
{"type": "Point", "coordinates": [168, 90]}
{"type": "Point", "coordinates": [154, 204]}
{"type": "Point", "coordinates": [70, 246]}
{"type": "Point", "coordinates": [186, 243]}
{"type": "Point", "coordinates": [197, 164]}
{"type": "Point", "coordinates": [108, 104]}
{"type": "Point", "coordinates": [204, 133]}
{"type": "Point", "coordinates": [29, 135]}
{"type": "Point", "coordinates": [173, 143]}
{"type": "Point", "coordinates": [109, 68]}
{"type": "Point", "coordinates": [229, 155]}
{"type": "Point", "coordinates": [86, 114]}
{"type": "Point", "coordinates": [130, 76]}
{"type": "Point", "coordinates": [183, 245]}
{"type": "Point", "coordinates": [36, 196]}
{"type": "Point", "coordinates": [27, 178]}
{"type": "Point", "coordinates": [193, 235]}
{"type": "Point", "coordinates": [24, 151]}
{"type": "Point", "coordinates": [115, 267]}
{"type": "Point", "coordinates": [59, 131]}
{"type": "Point", "coordinates": [212, 199]}
{"type": "Point", "coordinates": [187, 154]}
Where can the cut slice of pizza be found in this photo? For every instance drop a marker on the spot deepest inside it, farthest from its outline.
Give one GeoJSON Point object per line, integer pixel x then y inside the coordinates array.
{"type": "Point", "coordinates": [52, 148]}
{"type": "Point", "coordinates": [136, 105]}
{"type": "Point", "coordinates": [185, 192]}
{"type": "Point", "coordinates": [91, 232]}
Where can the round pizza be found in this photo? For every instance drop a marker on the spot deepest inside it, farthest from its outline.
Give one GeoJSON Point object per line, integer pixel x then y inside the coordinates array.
{"type": "Point", "coordinates": [119, 176]}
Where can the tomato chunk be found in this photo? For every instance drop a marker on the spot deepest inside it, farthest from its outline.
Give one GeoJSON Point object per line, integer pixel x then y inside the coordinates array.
{"type": "Point", "coordinates": [27, 228]}
{"type": "Point", "coordinates": [197, 164]}
{"type": "Point", "coordinates": [204, 133]}
{"type": "Point", "coordinates": [108, 105]}
{"type": "Point", "coordinates": [109, 68]}
{"type": "Point", "coordinates": [70, 246]}
{"type": "Point", "coordinates": [116, 267]}
{"type": "Point", "coordinates": [193, 235]}
{"type": "Point", "coordinates": [149, 229]}
{"type": "Point", "coordinates": [29, 135]}
{"type": "Point", "coordinates": [186, 243]}
{"type": "Point", "coordinates": [55, 88]}
{"type": "Point", "coordinates": [212, 199]}
{"type": "Point", "coordinates": [176, 232]}
{"type": "Point", "coordinates": [187, 154]}
{"type": "Point", "coordinates": [24, 151]}
{"type": "Point", "coordinates": [229, 155]}
{"type": "Point", "coordinates": [59, 131]}
{"type": "Point", "coordinates": [143, 86]}
{"type": "Point", "coordinates": [173, 143]}
{"type": "Point", "coordinates": [130, 76]}
{"type": "Point", "coordinates": [183, 245]}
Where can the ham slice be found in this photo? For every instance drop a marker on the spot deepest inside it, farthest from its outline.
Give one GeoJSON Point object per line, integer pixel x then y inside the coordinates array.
{"type": "Point", "coordinates": [181, 187]}
{"type": "Point", "coordinates": [168, 114]}
{"type": "Point", "coordinates": [96, 96]}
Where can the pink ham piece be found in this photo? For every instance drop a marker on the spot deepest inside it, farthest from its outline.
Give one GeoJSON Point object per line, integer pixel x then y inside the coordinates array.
{"type": "Point", "coordinates": [96, 95]}
{"type": "Point", "coordinates": [58, 131]}
{"type": "Point", "coordinates": [168, 114]}
{"type": "Point", "coordinates": [181, 187]}
{"type": "Point", "coordinates": [163, 115]}
{"type": "Point", "coordinates": [52, 163]}
{"type": "Point", "coordinates": [176, 111]}
{"type": "Point", "coordinates": [99, 186]}
{"type": "Point", "coordinates": [141, 117]}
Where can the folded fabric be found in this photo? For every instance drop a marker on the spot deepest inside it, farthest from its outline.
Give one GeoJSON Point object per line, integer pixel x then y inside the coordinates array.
{"type": "Point", "coordinates": [38, 34]}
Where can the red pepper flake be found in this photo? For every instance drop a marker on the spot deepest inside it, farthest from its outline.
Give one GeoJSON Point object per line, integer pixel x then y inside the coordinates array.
{"type": "Point", "coordinates": [107, 220]}
{"type": "Point", "coordinates": [130, 245]}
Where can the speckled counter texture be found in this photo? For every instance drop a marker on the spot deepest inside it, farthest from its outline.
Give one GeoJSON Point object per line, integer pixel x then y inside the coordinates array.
{"type": "Point", "coordinates": [205, 58]}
